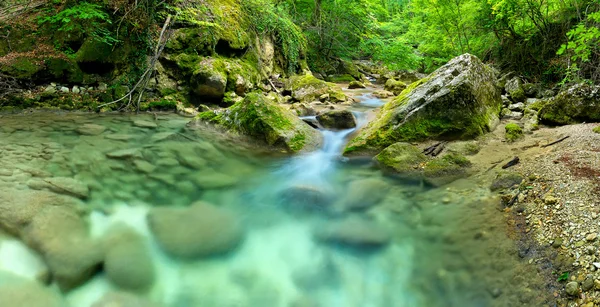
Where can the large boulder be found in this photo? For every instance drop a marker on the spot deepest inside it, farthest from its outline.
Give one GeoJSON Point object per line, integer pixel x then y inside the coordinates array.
{"type": "Point", "coordinates": [307, 88]}
{"type": "Point", "coordinates": [579, 103]}
{"type": "Point", "coordinates": [514, 88]}
{"type": "Point", "coordinates": [446, 169]}
{"type": "Point", "coordinates": [209, 80]}
{"type": "Point", "coordinates": [262, 119]}
{"type": "Point", "coordinates": [123, 299]}
{"type": "Point", "coordinates": [394, 86]}
{"type": "Point", "coordinates": [197, 231]}
{"type": "Point", "coordinates": [337, 119]}
{"type": "Point", "coordinates": [459, 101]}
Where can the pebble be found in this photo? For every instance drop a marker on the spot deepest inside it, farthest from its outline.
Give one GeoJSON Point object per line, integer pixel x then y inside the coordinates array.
{"type": "Point", "coordinates": [591, 237]}
{"type": "Point", "coordinates": [572, 288]}
{"type": "Point", "coordinates": [64, 89]}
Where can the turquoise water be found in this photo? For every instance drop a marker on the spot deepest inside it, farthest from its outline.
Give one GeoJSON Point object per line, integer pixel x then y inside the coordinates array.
{"type": "Point", "coordinates": [317, 229]}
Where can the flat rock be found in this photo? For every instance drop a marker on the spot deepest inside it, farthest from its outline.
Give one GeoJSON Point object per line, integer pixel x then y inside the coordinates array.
{"type": "Point", "coordinates": [144, 166]}
{"type": "Point", "coordinates": [197, 231]}
{"type": "Point", "coordinates": [124, 153]}
{"type": "Point", "coordinates": [91, 129]}
{"type": "Point", "coordinates": [120, 137]}
{"type": "Point", "coordinates": [144, 124]}
{"type": "Point", "coordinates": [353, 231]}
{"type": "Point", "coordinates": [68, 186]}
{"type": "Point", "coordinates": [364, 193]}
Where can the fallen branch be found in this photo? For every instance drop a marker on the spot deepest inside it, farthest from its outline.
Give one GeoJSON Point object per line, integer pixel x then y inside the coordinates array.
{"type": "Point", "coordinates": [557, 141]}
{"type": "Point", "coordinates": [430, 149]}
{"type": "Point", "coordinates": [439, 149]}
{"type": "Point", "coordinates": [514, 199]}
{"type": "Point", "coordinates": [510, 163]}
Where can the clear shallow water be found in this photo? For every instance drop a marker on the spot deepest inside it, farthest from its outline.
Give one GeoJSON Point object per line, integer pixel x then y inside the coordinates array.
{"type": "Point", "coordinates": [440, 253]}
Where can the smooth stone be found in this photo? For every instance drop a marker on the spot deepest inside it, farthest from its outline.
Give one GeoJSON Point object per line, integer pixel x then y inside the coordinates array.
{"type": "Point", "coordinates": [167, 162]}
{"type": "Point", "coordinates": [128, 263]}
{"type": "Point", "coordinates": [120, 137]}
{"type": "Point", "coordinates": [353, 231]}
{"type": "Point", "coordinates": [588, 283]}
{"type": "Point", "coordinates": [64, 89]}
{"type": "Point", "coordinates": [199, 230]}
{"type": "Point", "coordinates": [144, 124]}
{"type": "Point", "coordinates": [123, 299]}
{"type": "Point", "coordinates": [364, 193]}
{"type": "Point", "coordinates": [213, 180]}
{"type": "Point", "coordinates": [572, 288]}
{"type": "Point", "coordinates": [50, 90]}
{"type": "Point", "coordinates": [144, 166]}
{"type": "Point", "coordinates": [76, 90]}
{"type": "Point", "coordinates": [306, 197]}
{"type": "Point", "coordinates": [124, 153]}
{"type": "Point", "coordinates": [68, 186]}
{"type": "Point", "coordinates": [6, 172]}
{"type": "Point", "coordinates": [34, 171]}
{"type": "Point", "coordinates": [516, 106]}
{"type": "Point", "coordinates": [91, 129]}
{"type": "Point", "coordinates": [16, 292]}
{"type": "Point", "coordinates": [157, 137]}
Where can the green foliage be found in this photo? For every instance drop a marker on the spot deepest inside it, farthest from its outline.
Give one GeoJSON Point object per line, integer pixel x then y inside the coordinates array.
{"type": "Point", "coordinates": [563, 277]}
{"type": "Point", "coordinates": [83, 18]}
{"type": "Point", "coordinates": [583, 49]}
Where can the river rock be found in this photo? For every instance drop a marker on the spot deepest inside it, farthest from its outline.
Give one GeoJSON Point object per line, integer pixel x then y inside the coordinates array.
{"type": "Point", "coordinates": [446, 169]}
{"type": "Point", "coordinates": [209, 80]}
{"type": "Point", "coordinates": [15, 292]}
{"type": "Point", "coordinates": [144, 166]}
{"type": "Point", "coordinates": [353, 231]}
{"type": "Point", "coordinates": [579, 103]}
{"type": "Point", "coordinates": [337, 119]}
{"type": "Point", "coordinates": [5, 172]}
{"type": "Point", "coordinates": [572, 288]}
{"type": "Point", "coordinates": [29, 265]}
{"type": "Point", "coordinates": [120, 137]}
{"type": "Point", "coordinates": [128, 263]}
{"type": "Point", "coordinates": [364, 193]}
{"type": "Point", "coordinates": [50, 89]}
{"type": "Point", "coordinates": [123, 299]}
{"type": "Point", "coordinates": [383, 94]}
{"type": "Point", "coordinates": [355, 85]}
{"type": "Point", "coordinates": [506, 180]}
{"type": "Point", "coordinates": [264, 120]}
{"type": "Point", "coordinates": [307, 88]}
{"type": "Point", "coordinates": [68, 186]}
{"type": "Point", "coordinates": [402, 158]}
{"type": "Point", "coordinates": [124, 154]}
{"type": "Point", "coordinates": [306, 198]}
{"type": "Point", "coordinates": [517, 107]}
{"type": "Point", "coordinates": [394, 86]}
{"type": "Point", "coordinates": [145, 124]}
{"type": "Point", "coordinates": [197, 231]}
{"type": "Point", "coordinates": [458, 101]}
{"type": "Point", "coordinates": [61, 237]}
{"type": "Point", "coordinates": [514, 88]}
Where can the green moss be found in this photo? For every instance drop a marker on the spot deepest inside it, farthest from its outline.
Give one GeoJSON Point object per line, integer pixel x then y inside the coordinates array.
{"type": "Point", "coordinates": [537, 105]}
{"type": "Point", "coordinates": [448, 165]}
{"type": "Point", "coordinates": [596, 129]}
{"type": "Point", "coordinates": [298, 142]}
{"type": "Point", "coordinates": [340, 78]}
{"type": "Point", "coordinates": [505, 180]}
{"type": "Point", "coordinates": [403, 158]}
{"type": "Point", "coordinates": [67, 69]}
{"type": "Point", "coordinates": [22, 68]}
{"type": "Point", "coordinates": [577, 104]}
{"type": "Point", "coordinates": [513, 132]}
{"type": "Point", "coordinates": [160, 105]}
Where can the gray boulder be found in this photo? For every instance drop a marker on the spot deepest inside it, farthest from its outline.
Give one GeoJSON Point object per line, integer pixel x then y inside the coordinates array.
{"type": "Point", "coordinates": [514, 88]}
{"type": "Point", "coordinates": [459, 101]}
{"type": "Point", "coordinates": [337, 119]}
{"type": "Point", "coordinates": [579, 103]}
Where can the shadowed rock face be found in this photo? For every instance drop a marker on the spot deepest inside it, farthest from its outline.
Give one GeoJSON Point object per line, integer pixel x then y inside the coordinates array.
{"type": "Point", "coordinates": [457, 101]}
{"type": "Point", "coordinates": [579, 103]}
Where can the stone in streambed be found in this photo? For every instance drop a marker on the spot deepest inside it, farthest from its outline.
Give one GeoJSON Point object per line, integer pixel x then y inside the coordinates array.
{"type": "Point", "coordinates": [364, 193]}
{"type": "Point", "coordinates": [61, 237]}
{"type": "Point", "coordinates": [403, 159]}
{"type": "Point", "coordinates": [91, 129]}
{"type": "Point", "coordinates": [120, 137]}
{"type": "Point", "coordinates": [197, 231]}
{"type": "Point", "coordinates": [355, 84]}
{"type": "Point", "coordinates": [68, 186]}
{"type": "Point", "coordinates": [579, 103]}
{"type": "Point", "coordinates": [383, 94]}
{"type": "Point", "coordinates": [128, 263]}
{"type": "Point", "coordinates": [505, 180]}
{"type": "Point", "coordinates": [446, 169]}
{"type": "Point", "coordinates": [306, 198]}
{"type": "Point", "coordinates": [144, 166]}
{"type": "Point", "coordinates": [124, 299]}
{"type": "Point", "coordinates": [394, 86]}
{"type": "Point", "coordinates": [337, 119]}
{"type": "Point", "coordinates": [145, 124]}
{"type": "Point", "coordinates": [353, 231]}
{"type": "Point", "coordinates": [572, 288]}
{"type": "Point", "coordinates": [124, 153]}
{"type": "Point", "coordinates": [17, 292]}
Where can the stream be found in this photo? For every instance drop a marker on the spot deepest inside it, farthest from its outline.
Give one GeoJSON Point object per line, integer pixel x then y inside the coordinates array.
{"type": "Point", "coordinates": [319, 230]}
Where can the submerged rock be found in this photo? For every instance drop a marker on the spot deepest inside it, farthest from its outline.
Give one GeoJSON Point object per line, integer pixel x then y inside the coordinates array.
{"type": "Point", "coordinates": [402, 158]}
{"type": "Point", "coordinates": [364, 193]}
{"type": "Point", "coordinates": [260, 118]}
{"type": "Point", "coordinates": [353, 231]}
{"type": "Point", "coordinates": [337, 119]}
{"type": "Point", "coordinates": [505, 180]}
{"type": "Point", "coordinates": [306, 198]}
{"type": "Point", "coordinates": [68, 186]}
{"type": "Point", "coordinates": [123, 299]}
{"type": "Point", "coordinates": [128, 263]}
{"type": "Point", "coordinates": [91, 129]}
{"type": "Point", "coordinates": [446, 169]}
{"type": "Point", "coordinates": [197, 231]}
{"type": "Point", "coordinates": [145, 124]}
{"type": "Point", "coordinates": [459, 100]}
{"type": "Point", "coordinates": [15, 292]}
{"type": "Point", "coordinates": [579, 103]}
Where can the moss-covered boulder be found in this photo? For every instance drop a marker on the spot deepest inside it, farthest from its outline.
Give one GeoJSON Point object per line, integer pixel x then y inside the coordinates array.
{"type": "Point", "coordinates": [403, 159]}
{"type": "Point", "coordinates": [258, 117]}
{"type": "Point", "coordinates": [355, 85]}
{"type": "Point", "coordinates": [337, 119]}
{"type": "Point", "coordinates": [209, 80]}
{"type": "Point", "coordinates": [457, 101]}
{"type": "Point", "coordinates": [579, 103]}
{"type": "Point", "coordinates": [513, 132]}
{"type": "Point", "coordinates": [446, 169]}
{"type": "Point", "coordinates": [394, 86]}
{"type": "Point", "coordinates": [596, 129]}
{"type": "Point", "coordinates": [514, 88]}
{"type": "Point", "coordinates": [307, 88]}
{"type": "Point", "coordinates": [505, 180]}
{"type": "Point", "coordinates": [23, 68]}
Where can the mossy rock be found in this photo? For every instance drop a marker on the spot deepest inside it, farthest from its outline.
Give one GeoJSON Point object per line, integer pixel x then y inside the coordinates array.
{"type": "Point", "coordinates": [457, 101]}
{"type": "Point", "coordinates": [579, 103]}
{"type": "Point", "coordinates": [23, 68]}
{"type": "Point", "coordinates": [355, 85]}
{"type": "Point", "coordinates": [394, 86]}
{"type": "Point", "coordinates": [444, 170]}
{"type": "Point", "coordinates": [505, 180]}
{"type": "Point", "coordinates": [513, 132]}
{"type": "Point", "coordinates": [403, 159]}
{"type": "Point", "coordinates": [307, 88]}
{"type": "Point", "coordinates": [194, 40]}
{"type": "Point", "coordinates": [340, 78]}
{"type": "Point", "coordinates": [258, 117]}
{"type": "Point", "coordinates": [596, 129]}
{"type": "Point", "coordinates": [64, 69]}
{"type": "Point", "coordinates": [514, 88]}
{"type": "Point", "coordinates": [337, 119]}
